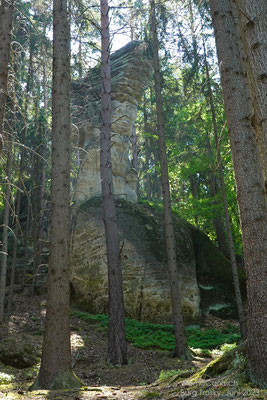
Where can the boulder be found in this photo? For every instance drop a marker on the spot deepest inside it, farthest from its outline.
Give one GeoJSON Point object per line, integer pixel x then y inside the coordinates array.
{"type": "Point", "coordinates": [18, 354]}
{"type": "Point", "coordinates": [144, 264]}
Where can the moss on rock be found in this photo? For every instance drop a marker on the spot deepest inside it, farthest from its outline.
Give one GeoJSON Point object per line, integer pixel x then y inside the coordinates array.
{"type": "Point", "coordinates": [18, 354]}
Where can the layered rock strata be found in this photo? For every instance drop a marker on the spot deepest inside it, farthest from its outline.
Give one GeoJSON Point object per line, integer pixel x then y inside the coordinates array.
{"type": "Point", "coordinates": [144, 263]}
{"type": "Point", "coordinates": [130, 69]}
{"type": "Point", "coordinates": [204, 273]}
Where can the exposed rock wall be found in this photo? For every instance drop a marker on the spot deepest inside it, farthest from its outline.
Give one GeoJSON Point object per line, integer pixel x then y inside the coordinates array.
{"type": "Point", "coordinates": [130, 69]}
{"type": "Point", "coordinates": [205, 275]}
{"type": "Point", "coordinates": [144, 264]}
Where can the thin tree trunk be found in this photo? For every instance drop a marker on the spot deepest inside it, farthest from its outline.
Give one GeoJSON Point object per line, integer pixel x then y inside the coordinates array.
{"type": "Point", "coordinates": [217, 219]}
{"type": "Point", "coordinates": [238, 296]}
{"type": "Point", "coordinates": [6, 19]}
{"type": "Point", "coordinates": [5, 231]}
{"type": "Point", "coordinates": [117, 347]}
{"type": "Point", "coordinates": [35, 195]}
{"type": "Point", "coordinates": [249, 180]}
{"type": "Point", "coordinates": [12, 125]}
{"type": "Point", "coordinates": [26, 240]}
{"type": "Point", "coordinates": [181, 349]}
{"type": "Point", "coordinates": [41, 180]}
{"type": "Point", "coordinates": [18, 202]}
{"type": "Point", "coordinates": [55, 371]}
{"type": "Point", "coordinates": [14, 255]}
{"type": "Point", "coordinates": [25, 130]}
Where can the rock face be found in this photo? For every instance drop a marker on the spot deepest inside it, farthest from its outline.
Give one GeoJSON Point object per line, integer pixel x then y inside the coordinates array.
{"type": "Point", "coordinates": [130, 69]}
{"type": "Point", "coordinates": [145, 272]}
{"type": "Point", "coordinates": [205, 275]}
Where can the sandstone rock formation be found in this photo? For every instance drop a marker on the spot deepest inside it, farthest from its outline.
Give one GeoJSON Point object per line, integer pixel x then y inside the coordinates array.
{"type": "Point", "coordinates": [130, 69]}
{"type": "Point", "coordinates": [205, 275]}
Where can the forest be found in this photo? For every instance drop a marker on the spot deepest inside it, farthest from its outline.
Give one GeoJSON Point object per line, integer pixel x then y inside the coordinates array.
{"type": "Point", "coordinates": [133, 211]}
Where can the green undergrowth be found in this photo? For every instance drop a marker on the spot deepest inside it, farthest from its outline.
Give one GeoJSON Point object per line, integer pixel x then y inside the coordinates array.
{"type": "Point", "coordinates": [147, 335]}
{"type": "Point", "coordinates": [6, 378]}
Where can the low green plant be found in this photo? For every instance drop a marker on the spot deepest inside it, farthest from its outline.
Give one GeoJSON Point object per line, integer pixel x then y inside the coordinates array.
{"type": "Point", "coordinates": [227, 347]}
{"type": "Point", "coordinates": [211, 338]}
{"type": "Point", "coordinates": [150, 395]}
{"type": "Point", "coordinates": [146, 335]}
{"type": "Point", "coordinates": [6, 378]}
{"type": "Point", "coordinates": [202, 352]}
{"type": "Point", "coordinates": [173, 372]}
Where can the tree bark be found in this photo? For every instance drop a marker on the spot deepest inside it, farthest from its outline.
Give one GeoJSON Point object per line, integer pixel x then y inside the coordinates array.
{"type": "Point", "coordinates": [55, 371]}
{"type": "Point", "coordinates": [41, 181]}
{"type": "Point", "coordinates": [17, 211]}
{"type": "Point", "coordinates": [14, 255]}
{"type": "Point", "coordinates": [249, 180]}
{"type": "Point", "coordinates": [238, 297]}
{"type": "Point", "coordinates": [5, 231]}
{"type": "Point", "coordinates": [181, 349]}
{"type": "Point", "coordinates": [6, 19]}
{"type": "Point", "coordinates": [253, 28]}
{"type": "Point", "coordinates": [117, 347]}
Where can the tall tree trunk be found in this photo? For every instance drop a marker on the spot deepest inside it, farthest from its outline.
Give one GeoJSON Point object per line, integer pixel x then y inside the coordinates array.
{"type": "Point", "coordinates": [181, 349]}
{"type": "Point", "coordinates": [6, 19]}
{"type": "Point", "coordinates": [25, 130]}
{"type": "Point", "coordinates": [35, 193]}
{"type": "Point", "coordinates": [238, 297]}
{"type": "Point", "coordinates": [20, 186]}
{"type": "Point", "coordinates": [249, 180]}
{"type": "Point", "coordinates": [40, 234]}
{"type": "Point", "coordinates": [117, 347]}
{"type": "Point", "coordinates": [5, 230]}
{"type": "Point", "coordinates": [11, 127]}
{"type": "Point", "coordinates": [253, 24]}
{"type": "Point", "coordinates": [55, 371]}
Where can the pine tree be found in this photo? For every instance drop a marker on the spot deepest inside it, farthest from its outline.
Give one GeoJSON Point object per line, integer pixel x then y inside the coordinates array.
{"type": "Point", "coordinates": [55, 371]}
{"type": "Point", "coordinates": [117, 347]}
{"type": "Point", "coordinates": [249, 179]}
{"type": "Point", "coordinates": [181, 349]}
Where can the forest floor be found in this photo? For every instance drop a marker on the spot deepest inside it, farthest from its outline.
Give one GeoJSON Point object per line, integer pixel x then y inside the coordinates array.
{"type": "Point", "coordinates": [138, 380]}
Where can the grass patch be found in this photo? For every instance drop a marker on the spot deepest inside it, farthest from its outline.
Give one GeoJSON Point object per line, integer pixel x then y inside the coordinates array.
{"type": "Point", "coordinates": [146, 335]}
{"type": "Point", "coordinates": [181, 373]}
{"type": "Point", "coordinates": [150, 395]}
